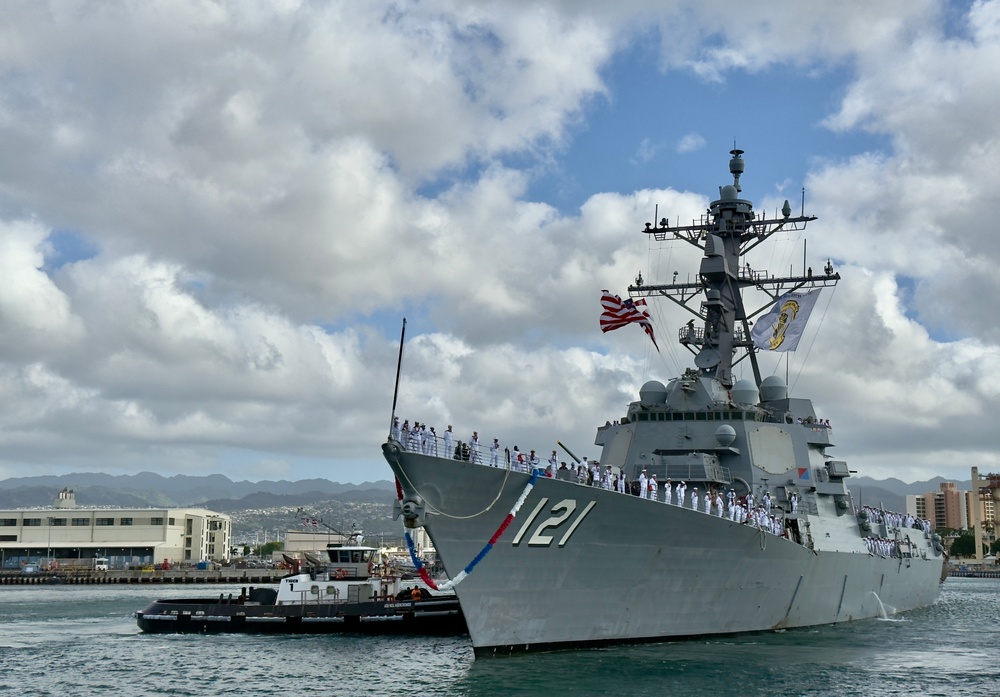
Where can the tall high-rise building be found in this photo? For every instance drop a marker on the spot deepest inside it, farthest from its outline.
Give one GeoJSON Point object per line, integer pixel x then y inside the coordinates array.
{"type": "Point", "coordinates": [945, 508]}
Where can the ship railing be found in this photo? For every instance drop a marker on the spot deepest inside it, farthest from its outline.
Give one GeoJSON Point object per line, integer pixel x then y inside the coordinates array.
{"type": "Point", "coordinates": [691, 335]}
{"type": "Point", "coordinates": [712, 474]}
{"type": "Point", "coordinates": [437, 446]}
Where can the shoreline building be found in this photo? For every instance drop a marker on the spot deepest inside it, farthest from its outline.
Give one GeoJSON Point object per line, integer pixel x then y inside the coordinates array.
{"type": "Point", "coordinates": [989, 487]}
{"type": "Point", "coordinates": [67, 535]}
{"type": "Point", "coordinates": [945, 508]}
{"type": "Point", "coordinates": [955, 509]}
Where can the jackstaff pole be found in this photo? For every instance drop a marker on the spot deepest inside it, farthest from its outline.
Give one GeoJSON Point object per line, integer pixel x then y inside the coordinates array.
{"type": "Point", "coordinates": [399, 365]}
{"type": "Point", "coordinates": [575, 458]}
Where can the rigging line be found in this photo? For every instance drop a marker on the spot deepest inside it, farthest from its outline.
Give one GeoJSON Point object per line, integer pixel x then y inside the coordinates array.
{"type": "Point", "coordinates": [656, 308]}
{"type": "Point", "coordinates": [805, 358]}
{"type": "Point", "coordinates": [646, 351]}
{"type": "Point", "coordinates": [646, 357]}
{"type": "Point", "coordinates": [671, 348]}
{"type": "Point", "coordinates": [661, 322]}
{"type": "Point", "coordinates": [678, 367]}
{"type": "Point", "coordinates": [433, 508]}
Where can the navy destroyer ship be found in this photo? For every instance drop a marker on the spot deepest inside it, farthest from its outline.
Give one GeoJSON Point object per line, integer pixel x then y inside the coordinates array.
{"type": "Point", "coordinates": [544, 563]}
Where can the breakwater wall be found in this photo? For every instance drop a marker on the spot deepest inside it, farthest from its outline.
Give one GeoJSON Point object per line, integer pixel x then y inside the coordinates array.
{"type": "Point", "coordinates": [974, 573]}
{"type": "Point", "coordinates": [180, 576]}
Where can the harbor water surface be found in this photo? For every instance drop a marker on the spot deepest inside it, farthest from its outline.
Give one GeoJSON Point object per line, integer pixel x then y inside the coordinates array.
{"type": "Point", "coordinates": [76, 640]}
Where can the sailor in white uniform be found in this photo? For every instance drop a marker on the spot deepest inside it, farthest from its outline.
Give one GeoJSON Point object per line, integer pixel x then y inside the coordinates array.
{"type": "Point", "coordinates": [718, 504]}
{"type": "Point", "coordinates": [424, 440]}
{"type": "Point", "coordinates": [681, 488]}
{"type": "Point", "coordinates": [643, 482]}
{"type": "Point", "coordinates": [654, 488]}
{"type": "Point", "coordinates": [533, 461]}
{"type": "Point", "coordinates": [553, 464]}
{"type": "Point", "coordinates": [474, 445]}
{"type": "Point", "coordinates": [694, 499]}
{"type": "Point", "coordinates": [708, 502]}
{"type": "Point", "coordinates": [668, 492]}
{"type": "Point", "coordinates": [449, 442]}
{"type": "Point", "coordinates": [495, 452]}
{"type": "Point", "coordinates": [433, 447]}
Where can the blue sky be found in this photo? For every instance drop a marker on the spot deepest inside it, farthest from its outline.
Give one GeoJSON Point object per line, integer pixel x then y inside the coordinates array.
{"type": "Point", "coordinates": [634, 137]}
{"type": "Point", "coordinates": [214, 216]}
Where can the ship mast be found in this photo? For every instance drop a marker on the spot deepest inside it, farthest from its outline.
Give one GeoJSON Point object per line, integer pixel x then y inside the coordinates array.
{"type": "Point", "coordinates": [727, 232]}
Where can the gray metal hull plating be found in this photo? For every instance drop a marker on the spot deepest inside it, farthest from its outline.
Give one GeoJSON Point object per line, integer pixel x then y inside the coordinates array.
{"type": "Point", "coordinates": [634, 570]}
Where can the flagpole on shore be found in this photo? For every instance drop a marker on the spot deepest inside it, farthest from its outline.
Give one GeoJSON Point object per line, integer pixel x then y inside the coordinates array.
{"type": "Point", "coordinates": [399, 365]}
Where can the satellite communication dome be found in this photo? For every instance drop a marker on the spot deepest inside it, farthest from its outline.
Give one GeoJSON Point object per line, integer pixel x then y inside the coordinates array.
{"type": "Point", "coordinates": [725, 435]}
{"type": "Point", "coordinates": [773, 388]}
{"type": "Point", "coordinates": [745, 392]}
{"type": "Point", "coordinates": [653, 392]}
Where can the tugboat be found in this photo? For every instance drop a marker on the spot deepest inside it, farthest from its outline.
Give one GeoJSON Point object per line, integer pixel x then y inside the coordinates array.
{"type": "Point", "coordinates": [346, 593]}
{"type": "Point", "coordinates": [588, 565]}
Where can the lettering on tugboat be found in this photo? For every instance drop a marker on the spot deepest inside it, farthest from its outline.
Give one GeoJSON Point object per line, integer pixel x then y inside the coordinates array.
{"type": "Point", "coordinates": [558, 514]}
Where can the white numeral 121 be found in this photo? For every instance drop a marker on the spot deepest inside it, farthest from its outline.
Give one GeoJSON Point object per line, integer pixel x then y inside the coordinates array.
{"type": "Point", "coordinates": [560, 512]}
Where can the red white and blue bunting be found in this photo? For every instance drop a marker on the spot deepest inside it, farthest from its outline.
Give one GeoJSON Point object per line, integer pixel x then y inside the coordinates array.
{"type": "Point", "coordinates": [451, 583]}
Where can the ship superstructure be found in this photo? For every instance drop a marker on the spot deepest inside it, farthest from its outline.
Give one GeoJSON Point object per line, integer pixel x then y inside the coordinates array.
{"type": "Point", "coordinates": [779, 542]}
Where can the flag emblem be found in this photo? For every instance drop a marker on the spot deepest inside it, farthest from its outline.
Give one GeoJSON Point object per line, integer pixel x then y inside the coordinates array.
{"type": "Point", "coordinates": [617, 313]}
{"type": "Point", "coordinates": [781, 328]}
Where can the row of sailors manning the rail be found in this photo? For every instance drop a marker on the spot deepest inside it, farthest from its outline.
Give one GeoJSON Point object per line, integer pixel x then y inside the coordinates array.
{"type": "Point", "coordinates": [419, 438]}
{"type": "Point", "coordinates": [896, 520]}
{"type": "Point", "coordinates": [885, 546]}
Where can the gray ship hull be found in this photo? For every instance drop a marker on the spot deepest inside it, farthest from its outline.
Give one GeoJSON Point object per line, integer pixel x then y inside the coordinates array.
{"type": "Point", "coordinates": [580, 565]}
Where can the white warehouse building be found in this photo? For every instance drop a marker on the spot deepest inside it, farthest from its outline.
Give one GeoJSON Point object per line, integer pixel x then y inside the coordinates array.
{"type": "Point", "coordinates": [68, 535]}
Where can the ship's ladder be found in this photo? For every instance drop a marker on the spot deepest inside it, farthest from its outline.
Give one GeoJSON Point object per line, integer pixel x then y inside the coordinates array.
{"type": "Point", "coordinates": [905, 547]}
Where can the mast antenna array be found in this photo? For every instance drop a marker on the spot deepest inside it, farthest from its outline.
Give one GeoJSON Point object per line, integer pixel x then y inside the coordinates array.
{"type": "Point", "coordinates": [726, 233]}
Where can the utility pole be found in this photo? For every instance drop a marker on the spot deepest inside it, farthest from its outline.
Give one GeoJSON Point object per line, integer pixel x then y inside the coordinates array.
{"type": "Point", "coordinates": [48, 550]}
{"type": "Point", "coordinates": [977, 514]}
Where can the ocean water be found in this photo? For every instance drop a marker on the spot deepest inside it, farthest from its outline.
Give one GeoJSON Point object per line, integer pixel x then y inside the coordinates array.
{"type": "Point", "coordinates": [76, 640]}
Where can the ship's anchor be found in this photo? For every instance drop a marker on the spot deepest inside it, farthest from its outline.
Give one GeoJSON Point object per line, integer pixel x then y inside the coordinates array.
{"type": "Point", "coordinates": [411, 509]}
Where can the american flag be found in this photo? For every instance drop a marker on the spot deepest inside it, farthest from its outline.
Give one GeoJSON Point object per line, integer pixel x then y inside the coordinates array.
{"type": "Point", "coordinates": [617, 313]}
